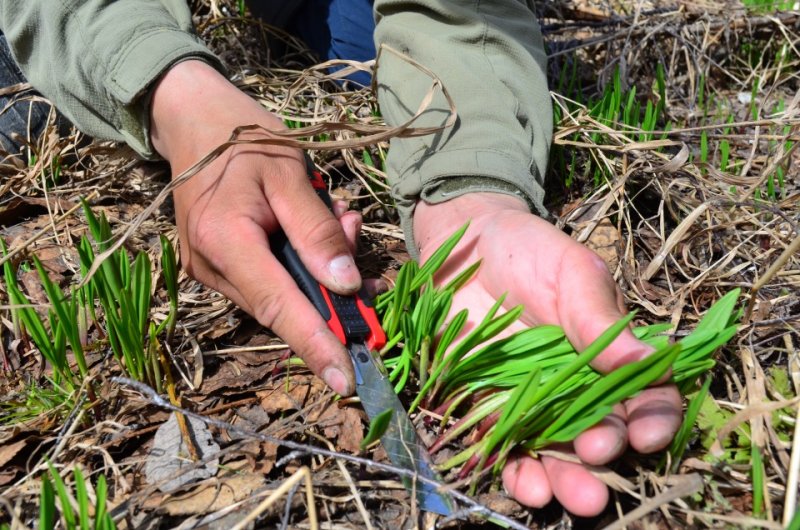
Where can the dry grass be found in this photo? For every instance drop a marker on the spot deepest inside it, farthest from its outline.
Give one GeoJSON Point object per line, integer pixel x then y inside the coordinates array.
{"type": "Point", "coordinates": [677, 231]}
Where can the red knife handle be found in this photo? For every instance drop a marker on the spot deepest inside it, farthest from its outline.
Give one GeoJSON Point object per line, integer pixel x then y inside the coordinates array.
{"type": "Point", "coordinates": [351, 318]}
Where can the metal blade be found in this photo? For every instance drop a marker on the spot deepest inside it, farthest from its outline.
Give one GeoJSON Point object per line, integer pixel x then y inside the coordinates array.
{"type": "Point", "coordinates": [400, 440]}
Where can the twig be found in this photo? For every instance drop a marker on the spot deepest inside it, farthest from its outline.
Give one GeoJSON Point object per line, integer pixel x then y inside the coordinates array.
{"type": "Point", "coordinates": [287, 509]}
{"type": "Point", "coordinates": [787, 253]}
{"type": "Point", "coordinates": [183, 425]}
{"type": "Point", "coordinates": [288, 484]}
{"type": "Point", "coordinates": [689, 485]}
{"type": "Point", "coordinates": [349, 479]}
{"type": "Point", "coordinates": [39, 233]}
{"type": "Point", "coordinates": [244, 349]}
{"type": "Point", "coordinates": [790, 498]}
{"type": "Point", "coordinates": [151, 396]}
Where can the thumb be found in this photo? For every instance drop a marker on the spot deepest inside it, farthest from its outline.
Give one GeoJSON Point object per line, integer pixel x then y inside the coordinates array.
{"type": "Point", "coordinates": [589, 302]}
{"type": "Point", "coordinates": [314, 231]}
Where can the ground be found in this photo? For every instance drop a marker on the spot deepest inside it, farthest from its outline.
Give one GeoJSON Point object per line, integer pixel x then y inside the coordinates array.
{"type": "Point", "coordinates": [674, 159]}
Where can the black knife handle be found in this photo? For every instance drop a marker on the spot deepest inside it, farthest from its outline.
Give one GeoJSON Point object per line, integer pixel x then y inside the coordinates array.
{"type": "Point", "coordinates": [351, 318]}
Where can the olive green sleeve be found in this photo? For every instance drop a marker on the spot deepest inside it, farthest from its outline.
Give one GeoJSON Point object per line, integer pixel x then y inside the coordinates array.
{"type": "Point", "coordinates": [95, 59]}
{"type": "Point", "coordinates": [490, 57]}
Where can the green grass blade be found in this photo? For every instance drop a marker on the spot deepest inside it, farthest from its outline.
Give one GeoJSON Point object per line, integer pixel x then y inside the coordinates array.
{"type": "Point", "coordinates": [83, 499]}
{"type": "Point", "coordinates": [141, 284]}
{"type": "Point", "coordinates": [100, 508]}
{"type": "Point", "coordinates": [63, 496]}
{"type": "Point", "coordinates": [588, 355]}
{"type": "Point", "coordinates": [720, 314]}
{"type": "Point", "coordinates": [66, 315]}
{"type": "Point", "coordinates": [757, 474]}
{"type": "Point", "coordinates": [438, 258]}
{"type": "Point", "coordinates": [377, 427]}
{"type": "Point", "coordinates": [47, 506]}
{"type": "Point", "coordinates": [448, 336]}
{"type": "Point", "coordinates": [522, 399]}
{"type": "Point", "coordinates": [681, 440]}
{"type": "Point", "coordinates": [463, 277]}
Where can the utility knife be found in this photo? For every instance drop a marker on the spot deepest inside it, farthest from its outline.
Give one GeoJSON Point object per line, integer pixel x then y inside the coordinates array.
{"type": "Point", "coordinates": [354, 321]}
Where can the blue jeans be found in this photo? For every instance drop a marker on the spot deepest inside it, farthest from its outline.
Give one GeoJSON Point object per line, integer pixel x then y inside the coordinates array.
{"type": "Point", "coordinates": [334, 29]}
{"type": "Point", "coordinates": [337, 29]}
{"type": "Point", "coordinates": [18, 114]}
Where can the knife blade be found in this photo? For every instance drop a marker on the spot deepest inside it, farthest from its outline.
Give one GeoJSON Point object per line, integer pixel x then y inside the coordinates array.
{"type": "Point", "coordinates": [354, 321]}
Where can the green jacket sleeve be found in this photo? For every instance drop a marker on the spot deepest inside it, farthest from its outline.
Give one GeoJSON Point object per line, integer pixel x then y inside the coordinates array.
{"type": "Point", "coordinates": [95, 59]}
{"type": "Point", "coordinates": [490, 56]}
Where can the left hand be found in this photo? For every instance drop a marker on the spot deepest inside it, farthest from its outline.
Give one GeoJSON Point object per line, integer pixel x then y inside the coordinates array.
{"type": "Point", "coordinates": [561, 282]}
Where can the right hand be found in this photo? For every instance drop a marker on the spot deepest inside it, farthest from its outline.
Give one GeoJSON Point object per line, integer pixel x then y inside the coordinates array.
{"type": "Point", "coordinates": [226, 212]}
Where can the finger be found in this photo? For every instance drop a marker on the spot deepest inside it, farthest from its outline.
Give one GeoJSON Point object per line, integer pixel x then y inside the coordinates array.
{"type": "Point", "coordinates": [351, 224]}
{"type": "Point", "coordinates": [263, 288]}
{"type": "Point", "coordinates": [525, 479]}
{"type": "Point", "coordinates": [311, 228]}
{"type": "Point", "coordinates": [578, 491]}
{"type": "Point", "coordinates": [375, 287]}
{"type": "Point", "coordinates": [339, 207]}
{"type": "Point", "coordinates": [604, 442]}
{"type": "Point", "coordinates": [587, 288]}
{"type": "Point", "coordinates": [654, 416]}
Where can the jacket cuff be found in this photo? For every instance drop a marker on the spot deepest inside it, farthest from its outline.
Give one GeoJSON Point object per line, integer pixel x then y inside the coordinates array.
{"type": "Point", "coordinates": [459, 173]}
{"type": "Point", "coordinates": [133, 74]}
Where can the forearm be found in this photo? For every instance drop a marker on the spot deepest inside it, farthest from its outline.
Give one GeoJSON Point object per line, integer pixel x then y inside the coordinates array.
{"type": "Point", "coordinates": [96, 60]}
{"type": "Point", "coordinates": [491, 60]}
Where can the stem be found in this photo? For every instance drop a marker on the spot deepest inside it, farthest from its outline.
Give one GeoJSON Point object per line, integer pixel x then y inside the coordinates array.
{"type": "Point", "coordinates": [476, 414]}
{"type": "Point", "coordinates": [176, 402]}
{"type": "Point", "coordinates": [461, 457]}
{"type": "Point", "coordinates": [424, 352]}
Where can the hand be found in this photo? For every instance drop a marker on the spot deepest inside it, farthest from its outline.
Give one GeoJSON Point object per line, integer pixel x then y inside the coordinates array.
{"type": "Point", "coordinates": [558, 281]}
{"type": "Point", "coordinates": [226, 212]}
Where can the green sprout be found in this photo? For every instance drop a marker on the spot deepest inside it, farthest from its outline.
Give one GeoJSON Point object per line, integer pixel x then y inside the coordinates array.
{"type": "Point", "coordinates": [88, 517]}
{"type": "Point", "coordinates": [116, 301]}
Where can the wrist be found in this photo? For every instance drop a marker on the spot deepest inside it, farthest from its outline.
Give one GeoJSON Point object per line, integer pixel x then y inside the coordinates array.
{"type": "Point", "coordinates": [433, 223]}
{"type": "Point", "coordinates": [195, 108]}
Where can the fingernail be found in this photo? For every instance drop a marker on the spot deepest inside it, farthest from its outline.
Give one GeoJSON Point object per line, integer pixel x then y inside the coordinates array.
{"type": "Point", "coordinates": [335, 379]}
{"type": "Point", "coordinates": [344, 272]}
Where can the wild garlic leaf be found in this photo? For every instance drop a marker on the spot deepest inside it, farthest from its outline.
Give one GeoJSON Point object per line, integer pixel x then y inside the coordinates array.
{"type": "Point", "coordinates": [594, 404]}
{"type": "Point", "coordinates": [377, 428]}
{"type": "Point", "coordinates": [437, 259]}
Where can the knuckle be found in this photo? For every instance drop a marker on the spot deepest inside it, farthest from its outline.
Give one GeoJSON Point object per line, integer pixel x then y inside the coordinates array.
{"type": "Point", "coordinates": [324, 234]}
{"type": "Point", "coordinates": [209, 242]}
{"type": "Point", "coordinates": [315, 358]}
{"type": "Point", "coordinates": [268, 309]}
{"type": "Point", "coordinates": [583, 258]}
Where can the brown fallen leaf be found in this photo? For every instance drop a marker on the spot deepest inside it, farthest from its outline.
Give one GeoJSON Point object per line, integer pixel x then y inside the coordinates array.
{"type": "Point", "coordinates": [302, 390]}
{"type": "Point", "coordinates": [9, 451]}
{"type": "Point", "coordinates": [33, 287]}
{"type": "Point", "coordinates": [169, 466]}
{"type": "Point", "coordinates": [209, 496]}
{"type": "Point", "coordinates": [267, 459]}
{"type": "Point", "coordinates": [501, 503]}
{"type": "Point", "coordinates": [250, 418]}
{"type": "Point", "coordinates": [605, 240]}
{"type": "Point", "coordinates": [233, 375]}
{"type": "Point", "coordinates": [7, 476]}
{"type": "Point", "coordinates": [20, 208]}
{"type": "Point", "coordinates": [52, 258]}
{"type": "Point", "coordinates": [343, 426]}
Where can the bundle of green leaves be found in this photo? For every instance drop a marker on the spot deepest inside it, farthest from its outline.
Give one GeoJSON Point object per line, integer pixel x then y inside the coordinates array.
{"type": "Point", "coordinates": [532, 388]}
